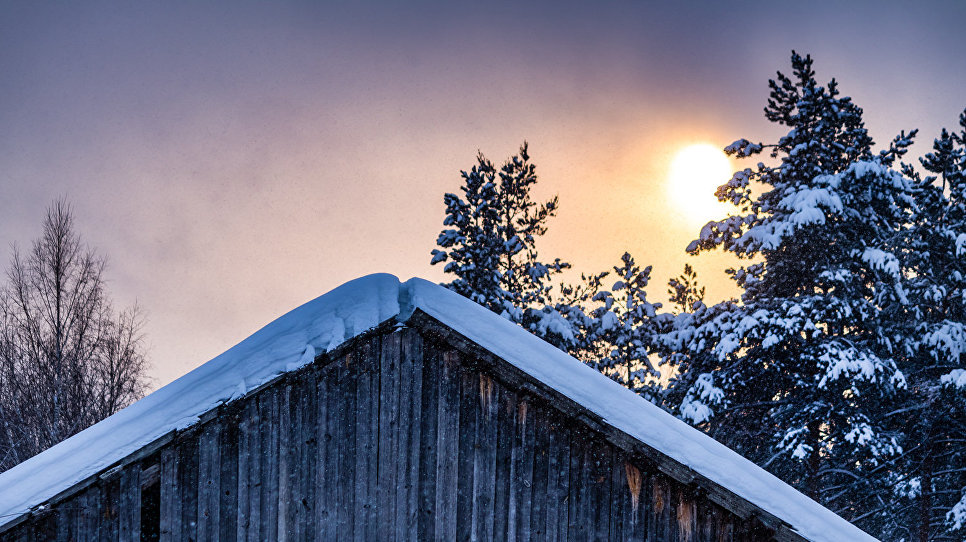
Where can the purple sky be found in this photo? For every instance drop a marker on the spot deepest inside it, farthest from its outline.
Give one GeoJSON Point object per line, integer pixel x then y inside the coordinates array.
{"type": "Point", "coordinates": [235, 160]}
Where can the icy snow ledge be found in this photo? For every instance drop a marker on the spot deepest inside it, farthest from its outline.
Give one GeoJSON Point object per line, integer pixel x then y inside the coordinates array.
{"type": "Point", "coordinates": [328, 321]}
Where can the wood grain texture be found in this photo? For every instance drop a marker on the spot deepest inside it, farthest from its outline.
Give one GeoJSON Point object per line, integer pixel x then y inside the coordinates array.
{"type": "Point", "coordinates": [428, 470]}
{"type": "Point", "coordinates": [447, 448]}
{"type": "Point", "coordinates": [209, 481]}
{"type": "Point", "coordinates": [129, 512]}
{"type": "Point", "coordinates": [405, 434]}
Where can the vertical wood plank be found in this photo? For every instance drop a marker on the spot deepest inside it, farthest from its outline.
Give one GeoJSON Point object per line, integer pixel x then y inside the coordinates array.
{"type": "Point", "coordinates": [427, 477]}
{"type": "Point", "coordinates": [170, 496]}
{"type": "Point", "coordinates": [580, 515]}
{"type": "Point", "coordinates": [109, 519]}
{"type": "Point", "coordinates": [468, 413]}
{"type": "Point", "coordinates": [253, 478]}
{"type": "Point", "coordinates": [209, 480]}
{"type": "Point", "coordinates": [521, 471]}
{"type": "Point", "coordinates": [620, 507]}
{"type": "Point", "coordinates": [95, 509]}
{"type": "Point", "coordinates": [408, 432]}
{"type": "Point", "coordinates": [80, 503]}
{"type": "Point", "coordinates": [286, 461]}
{"type": "Point", "coordinates": [630, 497]}
{"type": "Point", "coordinates": [661, 509]}
{"type": "Point", "coordinates": [647, 499]}
{"type": "Point", "coordinates": [100, 522]}
{"type": "Point", "coordinates": [485, 450]}
{"type": "Point", "coordinates": [346, 435]}
{"type": "Point", "coordinates": [388, 438]}
{"type": "Point", "coordinates": [268, 403]}
{"type": "Point", "coordinates": [103, 520]}
{"type": "Point", "coordinates": [305, 444]}
{"type": "Point", "coordinates": [601, 460]}
{"type": "Point", "coordinates": [130, 511]}
{"type": "Point", "coordinates": [648, 505]}
{"type": "Point", "coordinates": [448, 448]}
{"type": "Point", "coordinates": [558, 481]}
{"type": "Point", "coordinates": [673, 498]}
{"type": "Point", "coordinates": [741, 532]}
{"type": "Point", "coordinates": [20, 533]}
{"type": "Point", "coordinates": [188, 483]}
{"type": "Point", "coordinates": [707, 517]}
{"type": "Point", "coordinates": [367, 427]}
{"type": "Point", "coordinates": [78, 508]}
{"type": "Point", "coordinates": [62, 523]}
{"type": "Point", "coordinates": [228, 478]}
{"type": "Point", "coordinates": [327, 472]}
{"type": "Point", "coordinates": [506, 412]}
{"type": "Point", "coordinates": [541, 468]}
{"type": "Point", "coordinates": [243, 491]}
{"type": "Point", "coordinates": [725, 528]}
{"type": "Point", "coordinates": [45, 526]}
{"type": "Point", "coordinates": [70, 519]}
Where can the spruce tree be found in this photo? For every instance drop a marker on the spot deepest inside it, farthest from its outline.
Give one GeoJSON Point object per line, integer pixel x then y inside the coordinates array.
{"type": "Point", "coordinates": [798, 374]}
{"type": "Point", "coordinates": [489, 246]}
{"type": "Point", "coordinates": [621, 329]}
{"type": "Point", "coordinates": [930, 479]}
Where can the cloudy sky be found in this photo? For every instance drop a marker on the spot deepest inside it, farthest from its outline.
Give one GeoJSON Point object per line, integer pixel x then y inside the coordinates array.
{"type": "Point", "coordinates": [236, 159]}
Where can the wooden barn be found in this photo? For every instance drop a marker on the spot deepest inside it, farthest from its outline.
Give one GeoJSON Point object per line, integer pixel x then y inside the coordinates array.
{"type": "Point", "coordinates": [399, 411]}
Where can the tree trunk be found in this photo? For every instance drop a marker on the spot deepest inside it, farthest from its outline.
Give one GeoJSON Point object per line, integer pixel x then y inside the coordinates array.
{"type": "Point", "coordinates": [925, 494]}
{"type": "Point", "coordinates": [812, 487]}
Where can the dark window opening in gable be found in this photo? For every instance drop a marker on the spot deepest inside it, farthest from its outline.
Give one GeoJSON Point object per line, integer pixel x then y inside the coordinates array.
{"type": "Point", "coordinates": [151, 503]}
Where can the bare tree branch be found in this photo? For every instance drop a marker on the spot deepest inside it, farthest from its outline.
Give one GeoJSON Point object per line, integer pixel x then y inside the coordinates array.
{"type": "Point", "coordinates": [67, 359]}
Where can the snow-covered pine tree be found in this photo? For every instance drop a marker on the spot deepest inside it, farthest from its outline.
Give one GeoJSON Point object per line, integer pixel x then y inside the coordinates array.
{"type": "Point", "coordinates": [489, 245]}
{"type": "Point", "coordinates": [802, 363]}
{"type": "Point", "coordinates": [621, 329]}
{"type": "Point", "coordinates": [930, 479]}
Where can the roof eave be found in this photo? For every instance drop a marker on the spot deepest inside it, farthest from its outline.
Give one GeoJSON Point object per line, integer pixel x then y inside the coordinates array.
{"type": "Point", "coordinates": [516, 377]}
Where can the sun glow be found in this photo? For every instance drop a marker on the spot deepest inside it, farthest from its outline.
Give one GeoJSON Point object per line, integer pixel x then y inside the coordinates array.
{"type": "Point", "coordinates": [696, 172]}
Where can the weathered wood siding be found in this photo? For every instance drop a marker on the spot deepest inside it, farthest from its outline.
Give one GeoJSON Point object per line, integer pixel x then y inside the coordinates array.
{"type": "Point", "coordinates": [400, 436]}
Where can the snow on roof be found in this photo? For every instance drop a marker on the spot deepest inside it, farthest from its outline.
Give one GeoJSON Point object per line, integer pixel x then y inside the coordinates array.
{"type": "Point", "coordinates": [326, 322]}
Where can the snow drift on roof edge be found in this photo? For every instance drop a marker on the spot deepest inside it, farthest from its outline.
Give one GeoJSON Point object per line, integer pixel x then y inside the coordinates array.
{"type": "Point", "coordinates": [283, 345]}
{"type": "Point", "coordinates": [625, 410]}
{"type": "Point", "coordinates": [324, 323]}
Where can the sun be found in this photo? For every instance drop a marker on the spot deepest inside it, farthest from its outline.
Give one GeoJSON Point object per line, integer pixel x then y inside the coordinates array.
{"type": "Point", "coordinates": [696, 172]}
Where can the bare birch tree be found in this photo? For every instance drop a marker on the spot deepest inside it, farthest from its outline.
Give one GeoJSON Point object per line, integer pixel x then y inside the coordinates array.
{"type": "Point", "coordinates": [67, 358]}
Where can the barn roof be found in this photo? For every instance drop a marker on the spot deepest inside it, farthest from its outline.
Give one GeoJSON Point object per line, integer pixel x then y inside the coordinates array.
{"type": "Point", "coordinates": [321, 325]}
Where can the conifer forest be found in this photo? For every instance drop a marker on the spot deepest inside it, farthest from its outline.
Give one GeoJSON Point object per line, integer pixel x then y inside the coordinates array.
{"type": "Point", "coordinates": [839, 367]}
